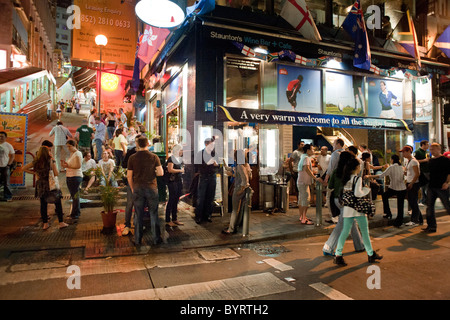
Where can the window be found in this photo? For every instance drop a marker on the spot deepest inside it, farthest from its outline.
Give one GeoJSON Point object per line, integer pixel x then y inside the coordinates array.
{"type": "Point", "coordinates": [242, 83]}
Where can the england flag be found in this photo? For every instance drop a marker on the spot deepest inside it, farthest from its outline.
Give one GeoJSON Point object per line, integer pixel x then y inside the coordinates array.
{"type": "Point", "coordinates": [297, 14]}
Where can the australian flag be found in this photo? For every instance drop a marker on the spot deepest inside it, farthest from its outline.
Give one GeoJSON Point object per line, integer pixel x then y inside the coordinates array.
{"type": "Point", "coordinates": [354, 24]}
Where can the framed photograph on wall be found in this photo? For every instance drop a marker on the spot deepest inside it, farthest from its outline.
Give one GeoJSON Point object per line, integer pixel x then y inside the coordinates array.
{"type": "Point", "coordinates": [299, 89]}
{"type": "Point", "coordinates": [423, 100]}
{"type": "Point", "coordinates": [385, 98]}
{"type": "Point", "coordinates": [344, 94]}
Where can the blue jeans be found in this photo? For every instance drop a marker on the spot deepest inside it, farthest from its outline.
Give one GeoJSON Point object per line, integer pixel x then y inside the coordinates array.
{"type": "Point", "coordinates": [129, 207]}
{"type": "Point", "coordinates": [110, 132]}
{"type": "Point", "coordinates": [432, 195]}
{"type": "Point", "coordinates": [146, 197]}
{"type": "Point", "coordinates": [73, 184]}
{"type": "Point", "coordinates": [4, 181]}
{"type": "Point", "coordinates": [99, 145]}
{"type": "Point", "coordinates": [205, 196]}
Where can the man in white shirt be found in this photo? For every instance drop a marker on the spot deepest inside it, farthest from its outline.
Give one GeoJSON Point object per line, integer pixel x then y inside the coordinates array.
{"type": "Point", "coordinates": [293, 163]}
{"type": "Point", "coordinates": [61, 134]}
{"type": "Point", "coordinates": [49, 110]}
{"type": "Point", "coordinates": [323, 161]}
{"type": "Point", "coordinates": [412, 168]}
{"type": "Point", "coordinates": [6, 159]}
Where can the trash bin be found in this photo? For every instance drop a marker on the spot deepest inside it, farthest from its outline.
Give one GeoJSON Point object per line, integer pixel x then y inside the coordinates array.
{"type": "Point", "coordinates": [283, 197]}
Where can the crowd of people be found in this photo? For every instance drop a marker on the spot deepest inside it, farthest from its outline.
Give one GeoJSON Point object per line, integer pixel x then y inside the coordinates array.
{"type": "Point", "coordinates": [350, 177]}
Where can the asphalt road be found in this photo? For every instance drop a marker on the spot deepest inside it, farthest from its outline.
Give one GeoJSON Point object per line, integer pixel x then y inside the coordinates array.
{"type": "Point", "coordinates": [415, 267]}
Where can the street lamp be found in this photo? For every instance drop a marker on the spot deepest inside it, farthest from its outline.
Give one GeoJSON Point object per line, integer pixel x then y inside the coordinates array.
{"type": "Point", "coordinates": [101, 41]}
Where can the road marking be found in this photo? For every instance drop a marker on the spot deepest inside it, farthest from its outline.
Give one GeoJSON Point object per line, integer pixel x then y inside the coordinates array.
{"type": "Point", "coordinates": [238, 288]}
{"type": "Point", "coordinates": [277, 264]}
{"type": "Point", "coordinates": [331, 293]}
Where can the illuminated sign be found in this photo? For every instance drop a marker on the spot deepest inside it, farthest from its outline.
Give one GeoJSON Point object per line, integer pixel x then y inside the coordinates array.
{"type": "Point", "coordinates": [110, 82]}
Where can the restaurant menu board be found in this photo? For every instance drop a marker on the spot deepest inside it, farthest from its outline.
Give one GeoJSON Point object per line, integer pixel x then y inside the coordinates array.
{"type": "Point", "coordinates": [423, 100]}
{"type": "Point", "coordinates": [299, 89]}
{"type": "Point", "coordinates": [115, 20]}
{"type": "Point", "coordinates": [344, 95]}
{"type": "Point", "coordinates": [385, 98]}
{"type": "Point", "coordinates": [16, 127]}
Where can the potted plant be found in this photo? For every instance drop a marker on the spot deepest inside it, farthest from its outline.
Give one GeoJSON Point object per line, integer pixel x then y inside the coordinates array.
{"type": "Point", "coordinates": [109, 195]}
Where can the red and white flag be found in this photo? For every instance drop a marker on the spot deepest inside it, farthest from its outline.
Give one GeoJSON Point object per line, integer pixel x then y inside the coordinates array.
{"type": "Point", "coordinates": [297, 14]}
{"type": "Point", "coordinates": [151, 40]}
{"type": "Point", "coordinates": [249, 52]}
{"type": "Point", "coordinates": [300, 59]}
{"type": "Point", "coordinates": [375, 69]}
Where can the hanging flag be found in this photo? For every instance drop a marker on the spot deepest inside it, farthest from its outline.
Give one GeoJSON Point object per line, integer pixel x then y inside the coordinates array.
{"type": "Point", "coordinates": [138, 66]}
{"type": "Point", "coordinates": [151, 40]}
{"type": "Point", "coordinates": [300, 60]}
{"type": "Point", "coordinates": [408, 39]}
{"type": "Point", "coordinates": [272, 57]}
{"type": "Point", "coordinates": [249, 52]}
{"type": "Point", "coordinates": [374, 69]}
{"type": "Point", "coordinates": [200, 7]}
{"type": "Point", "coordinates": [297, 14]}
{"type": "Point", "coordinates": [443, 42]}
{"type": "Point", "coordinates": [354, 24]}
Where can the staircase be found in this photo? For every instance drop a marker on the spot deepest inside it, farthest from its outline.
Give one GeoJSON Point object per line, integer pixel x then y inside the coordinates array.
{"type": "Point", "coordinates": [331, 134]}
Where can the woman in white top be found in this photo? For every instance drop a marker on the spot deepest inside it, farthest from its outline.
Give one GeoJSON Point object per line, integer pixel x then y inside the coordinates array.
{"type": "Point", "coordinates": [305, 179]}
{"type": "Point", "coordinates": [87, 166]}
{"type": "Point", "coordinates": [350, 177]}
{"type": "Point", "coordinates": [396, 187]}
{"type": "Point", "coordinates": [74, 176]}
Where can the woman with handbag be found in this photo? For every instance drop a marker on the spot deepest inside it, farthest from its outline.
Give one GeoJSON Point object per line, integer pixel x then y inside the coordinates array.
{"type": "Point", "coordinates": [74, 177]}
{"type": "Point", "coordinates": [242, 177]}
{"type": "Point", "coordinates": [175, 183]}
{"type": "Point", "coordinates": [47, 186]}
{"type": "Point", "coordinates": [356, 207]}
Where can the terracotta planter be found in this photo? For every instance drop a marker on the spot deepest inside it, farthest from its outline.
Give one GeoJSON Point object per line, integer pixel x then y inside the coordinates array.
{"type": "Point", "coordinates": [109, 222]}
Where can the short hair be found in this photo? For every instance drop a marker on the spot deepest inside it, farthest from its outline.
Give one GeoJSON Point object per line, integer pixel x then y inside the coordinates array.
{"type": "Point", "coordinates": [86, 153]}
{"type": "Point", "coordinates": [73, 143]}
{"type": "Point", "coordinates": [423, 142]}
{"type": "Point", "coordinates": [353, 150]}
{"type": "Point", "coordinates": [119, 132]}
{"type": "Point", "coordinates": [300, 141]}
{"type": "Point", "coordinates": [306, 147]}
{"type": "Point", "coordinates": [3, 132]}
{"type": "Point", "coordinates": [340, 141]}
{"type": "Point", "coordinates": [97, 118]}
{"type": "Point", "coordinates": [365, 156]}
{"type": "Point", "coordinates": [58, 123]}
{"type": "Point", "coordinates": [435, 144]}
{"type": "Point", "coordinates": [142, 141]}
{"type": "Point", "coordinates": [364, 146]}
{"type": "Point", "coordinates": [395, 158]}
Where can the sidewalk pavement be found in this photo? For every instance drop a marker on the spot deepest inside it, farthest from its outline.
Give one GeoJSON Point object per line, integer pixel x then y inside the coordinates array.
{"type": "Point", "coordinates": [21, 226]}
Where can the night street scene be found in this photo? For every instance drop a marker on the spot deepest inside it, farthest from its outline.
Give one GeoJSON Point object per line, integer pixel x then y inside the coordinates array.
{"type": "Point", "coordinates": [224, 158]}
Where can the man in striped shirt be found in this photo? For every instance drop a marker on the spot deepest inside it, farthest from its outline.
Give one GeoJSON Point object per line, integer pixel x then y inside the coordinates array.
{"type": "Point", "coordinates": [61, 134]}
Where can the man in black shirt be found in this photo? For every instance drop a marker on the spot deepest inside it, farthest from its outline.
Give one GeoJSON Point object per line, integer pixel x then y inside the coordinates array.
{"type": "Point", "coordinates": [207, 166]}
{"type": "Point", "coordinates": [438, 185]}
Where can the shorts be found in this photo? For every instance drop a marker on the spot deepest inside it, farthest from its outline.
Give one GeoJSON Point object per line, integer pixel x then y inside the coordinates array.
{"type": "Point", "coordinates": [303, 194]}
{"type": "Point", "coordinates": [388, 114]}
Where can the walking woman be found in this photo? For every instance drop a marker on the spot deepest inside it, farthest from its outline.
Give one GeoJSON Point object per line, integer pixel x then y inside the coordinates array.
{"type": "Point", "coordinates": [355, 193]}
{"type": "Point", "coordinates": [74, 177]}
{"type": "Point", "coordinates": [396, 187]}
{"type": "Point", "coordinates": [336, 187]}
{"type": "Point", "coordinates": [305, 179]}
{"type": "Point", "coordinates": [243, 175]}
{"type": "Point", "coordinates": [41, 167]}
{"type": "Point", "coordinates": [175, 183]}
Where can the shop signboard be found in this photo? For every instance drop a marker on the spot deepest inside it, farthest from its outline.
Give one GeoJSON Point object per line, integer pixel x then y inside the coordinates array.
{"type": "Point", "coordinates": [385, 98]}
{"type": "Point", "coordinates": [309, 119]}
{"type": "Point", "coordinates": [344, 94]}
{"type": "Point", "coordinates": [16, 127]}
{"type": "Point", "coordinates": [299, 89]}
{"type": "Point", "coordinates": [423, 100]}
{"type": "Point", "coordinates": [114, 19]}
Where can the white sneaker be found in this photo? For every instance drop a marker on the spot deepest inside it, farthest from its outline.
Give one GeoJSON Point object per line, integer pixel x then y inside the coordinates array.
{"type": "Point", "coordinates": [421, 204]}
{"type": "Point", "coordinates": [410, 224]}
{"type": "Point", "coordinates": [126, 231]}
